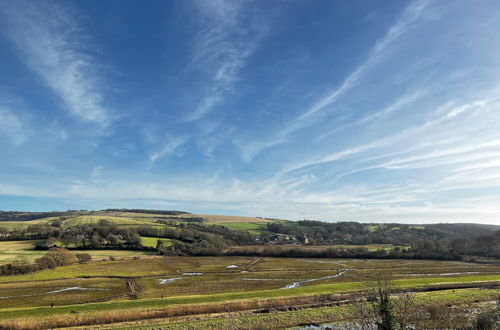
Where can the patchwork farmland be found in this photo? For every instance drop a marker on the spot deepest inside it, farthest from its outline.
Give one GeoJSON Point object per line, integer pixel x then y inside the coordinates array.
{"type": "Point", "coordinates": [152, 282]}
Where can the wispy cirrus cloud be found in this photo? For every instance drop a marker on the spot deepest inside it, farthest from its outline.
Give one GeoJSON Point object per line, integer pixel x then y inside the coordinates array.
{"type": "Point", "coordinates": [409, 16]}
{"type": "Point", "coordinates": [52, 44]}
{"type": "Point", "coordinates": [412, 131]}
{"type": "Point", "coordinates": [11, 126]}
{"type": "Point", "coordinates": [397, 105]}
{"type": "Point", "coordinates": [306, 118]}
{"type": "Point", "coordinates": [168, 148]}
{"type": "Point", "coordinates": [230, 33]}
{"type": "Point", "coordinates": [408, 132]}
{"type": "Point", "coordinates": [260, 199]}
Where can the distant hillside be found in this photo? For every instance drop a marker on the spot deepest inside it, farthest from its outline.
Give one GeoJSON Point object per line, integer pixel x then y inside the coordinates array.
{"type": "Point", "coordinates": [162, 212]}
{"type": "Point", "coordinates": [26, 216]}
{"type": "Point", "coordinates": [183, 233]}
{"type": "Point", "coordinates": [456, 230]}
{"type": "Point", "coordinates": [221, 219]}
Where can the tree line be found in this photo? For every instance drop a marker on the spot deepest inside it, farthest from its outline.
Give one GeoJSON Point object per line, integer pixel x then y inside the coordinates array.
{"type": "Point", "coordinates": [197, 238]}
{"type": "Point", "coordinates": [54, 257]}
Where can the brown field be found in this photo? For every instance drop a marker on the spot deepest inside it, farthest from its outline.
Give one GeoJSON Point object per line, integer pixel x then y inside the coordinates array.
{"type": "Point", "coordinates": [171, 287]}
{"type": "Point", "coordinates": [224, 218]}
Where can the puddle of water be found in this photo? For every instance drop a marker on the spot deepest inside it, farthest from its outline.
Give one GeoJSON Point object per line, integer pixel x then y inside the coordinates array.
{"type": "Point", "coordinates": [300, 282]}
{"type": "Point", "coordinates": [232, 266]}
{"type": "Point", "coordinates": [291, 286]}
{"type": "Point", "coordinates": [23, 295]}
{"type": "Point", "coordinates": [73, 288]}
{"type": "Point", "coordinates": [192, 274]}
{"type": "Point", "coordinates": [169, 280]}
{"type": "Point", "coordinates": [327, 326]}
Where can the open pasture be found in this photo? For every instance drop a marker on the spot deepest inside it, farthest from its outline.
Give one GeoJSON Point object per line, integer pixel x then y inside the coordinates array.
{"type": "Point", "coordinates": [153, 241]}
{"type": "Point", "coordinates": [16, 225]}
{"type": "Point", "coordinates": [95, 219]}
{"type": "Point", "coordinates": [457, 315]}
{"type": "Point", "coordinates": [210, 218]}
{"type": "Point", "coordinates": [220, 219]}
{"type": "Point", "coordinates": [287, 273]}
{"type": "Point", "coordinates": [150, 284]}
{"type": "Point", "coordinates": [124, 219]}
{"type": "Point", "coordinates": [60, 292]}
{"type": "Point", "coordinates": [252, 227]}
{"type": "Point", "coordinates": [174, 276]}
{"type": "Point", "coordinates": [144, 267]}
{"type": "Point", "coordinates": [11, 251]}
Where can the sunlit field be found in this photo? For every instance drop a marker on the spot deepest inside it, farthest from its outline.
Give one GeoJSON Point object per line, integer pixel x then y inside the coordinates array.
{"type": "Point", "coordinates": [92, 292]}
{"type": "Point", "coordinates": [11, 251]}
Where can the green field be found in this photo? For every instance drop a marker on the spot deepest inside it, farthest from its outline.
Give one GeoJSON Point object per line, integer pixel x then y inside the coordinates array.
{"type": "Point", "coordinates": [102, 287]}
{"type": "Point", "coordinates": [11, 251]}
{"type": "Point", "coordinates": [339, 315]}
{"type": "Point", "coordinates": [12, 225]}
{"type": "Point", "coordinates": [14, 250]}
{"type": "Point", "coordinates": [119, 221]}
{"type": "Point", "coordinates": [153, 241]}
{"type": "Point", "coordinates": [253, 227]}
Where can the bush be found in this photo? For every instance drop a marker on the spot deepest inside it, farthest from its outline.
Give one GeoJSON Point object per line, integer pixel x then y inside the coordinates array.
{"type": "Point", "coordinates": [46, 262]}
{"type": "Point", "coordinates": [488, 318]}
{"type": "Point", "coordinates": [62, 256]}
{"type": "Point", "coordinates": [83, 258]}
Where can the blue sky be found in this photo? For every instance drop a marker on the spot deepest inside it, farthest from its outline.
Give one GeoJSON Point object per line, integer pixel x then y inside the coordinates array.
{"type": "Point", "coordinates": [330, 110]}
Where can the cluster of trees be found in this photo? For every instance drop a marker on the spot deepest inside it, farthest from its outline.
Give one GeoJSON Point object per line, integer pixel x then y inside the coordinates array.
{"type": "Point", "coordinates": [197, 239]}
{"type": "Point", "coordinates": [483, 245]}
{"type": "Point", "coordinates": [320, 233]}
{"type": "Point", "coordinates": [192, 232]}
{"type": "Point", "coordinates": [440, 241]}
{"type": "Point", "coordinates": [333, 252]}
{"type": "Point", "coordinates": [194, 237]}
{"type": "Point", "coordinates": [105, 234]}
{"type": "Point", "coordinates": [53, 258]}
{"type": "Point", "coordinates": [173, 220]}
{"type": "Point", "coordinates": [31, 232]}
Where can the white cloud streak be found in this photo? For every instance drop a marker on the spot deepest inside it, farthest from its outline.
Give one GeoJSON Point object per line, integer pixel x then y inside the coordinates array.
{"type": "Point", "coordinates": [410, 15]}
{"type": "Point", "coordinates": [11, 126]}
{"type": "Point", "coordinates": [54, 47]}
{"type": "Point", "coordinates": [169, 148]}
{"type": "Point", "coordinates": [451, 115]}
{"type": "Point", "coordinates": [259, 199]}
{"type": "Point", "coordinates": [231, 34]}
{"type": "Point", "coordinates": [403, 24]}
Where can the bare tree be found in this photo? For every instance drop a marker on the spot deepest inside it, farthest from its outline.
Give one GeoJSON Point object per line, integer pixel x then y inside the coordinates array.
{"type": "Point", "coordinates": [380, 306]}
{"type": "Point", "coordinates": [488, 318]}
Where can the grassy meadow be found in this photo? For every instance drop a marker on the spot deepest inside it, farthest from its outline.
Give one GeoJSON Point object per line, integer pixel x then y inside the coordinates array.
{"type": "Point", "coordinates": [103, 288]}
{"type": "Point", "coordinates": [11, 251]}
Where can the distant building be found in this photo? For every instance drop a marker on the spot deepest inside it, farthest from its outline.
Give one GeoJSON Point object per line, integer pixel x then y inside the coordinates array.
{"type": "Point", "coordinates": [283, 239]}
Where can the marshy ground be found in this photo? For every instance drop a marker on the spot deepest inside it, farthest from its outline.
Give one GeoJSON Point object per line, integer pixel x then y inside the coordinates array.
{"type": "Point", "coordinates": [160, 288]}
